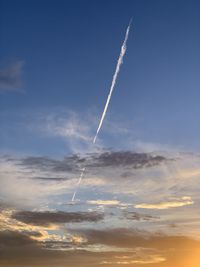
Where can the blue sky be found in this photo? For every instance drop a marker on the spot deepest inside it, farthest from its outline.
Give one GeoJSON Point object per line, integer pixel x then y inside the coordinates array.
{"type": "Point", "coordinates": [138, 202]}
{"type": "Point", "coordinates": [68, 53]}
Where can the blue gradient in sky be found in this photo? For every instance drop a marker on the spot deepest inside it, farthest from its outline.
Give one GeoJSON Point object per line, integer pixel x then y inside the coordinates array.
{"type": "Point", "coordinates": [70, 49]}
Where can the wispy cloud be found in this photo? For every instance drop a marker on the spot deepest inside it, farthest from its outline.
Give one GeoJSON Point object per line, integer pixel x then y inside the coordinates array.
{"type": "Point", "coordinates": [11, 77]}
{"type": "Point", "coordinates": [71, 127]}
{"type": "Point", "coordinates": [74, 129]}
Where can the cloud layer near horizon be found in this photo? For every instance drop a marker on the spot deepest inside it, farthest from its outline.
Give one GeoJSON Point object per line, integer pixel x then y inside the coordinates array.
{"type": "Point", "coordinates": [133, 209]}
{"type": "Point", "coordinates": [54, 244]}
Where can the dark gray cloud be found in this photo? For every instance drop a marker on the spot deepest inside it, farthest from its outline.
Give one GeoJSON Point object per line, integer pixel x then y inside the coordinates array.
{"type": "Point", "coordinates": [94, 160]}
{"type": "Point", "coordinates": [39, 162]}
{"type": "Point", "coordinates": [10, 77]}
{"type": "Point", "coordinates": [126, 158]}
{"type": "Point", "coordinates": [17, 249]}
{"type": "Point", "coordinates": [35, 255]}
{"type": "Point", "coordinates": [68, 164]}
{"type": "Point", "coordinates": [46, 218]}
{"type": "Point", "coordinates": [123, 237]}
{"type": "Point", "coordinates": [12, 238]}
{"type": "Point", "coordinates": [126, 174]}
{"type": "Point", "coordinates": [135, 216]}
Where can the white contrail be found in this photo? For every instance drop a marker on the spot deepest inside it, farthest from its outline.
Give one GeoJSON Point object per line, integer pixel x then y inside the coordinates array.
{"type": "Point", "coordinates": [119, 63]}
{"type": "Point", "coordinates": [79, 181]}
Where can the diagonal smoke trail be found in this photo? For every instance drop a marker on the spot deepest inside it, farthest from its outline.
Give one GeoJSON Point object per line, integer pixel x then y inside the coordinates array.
{"type": "Point", "coordinates": [119, 63]}
{"type": "Point", "coordinates": [79, 181]}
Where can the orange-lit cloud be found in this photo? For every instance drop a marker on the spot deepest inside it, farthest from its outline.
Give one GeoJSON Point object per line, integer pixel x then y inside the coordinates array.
{"type": "Point", "coordinates": [184, 201]}
{"type": "Point", "coordinates": [124, 260]}
{"type": "Point", "coordinates": [104, 202]}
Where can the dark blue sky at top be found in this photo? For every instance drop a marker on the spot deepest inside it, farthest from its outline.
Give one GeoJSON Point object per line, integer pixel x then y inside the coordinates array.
{"type": "Point", "coordinates": [70, 49]}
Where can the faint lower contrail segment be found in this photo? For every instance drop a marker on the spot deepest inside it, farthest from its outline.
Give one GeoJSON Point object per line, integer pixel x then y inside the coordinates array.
{"type": "Point", "coordinates": [114, 79]}
{"type": "Point", "coordinates": [79, 181]}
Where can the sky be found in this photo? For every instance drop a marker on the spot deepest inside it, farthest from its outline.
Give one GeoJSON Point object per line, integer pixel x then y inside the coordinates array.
{"type": "Point", "coordinates": [138, 202]}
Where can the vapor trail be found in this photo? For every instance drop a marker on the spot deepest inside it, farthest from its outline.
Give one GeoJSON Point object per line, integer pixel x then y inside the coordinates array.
{"type": "Point", "coordinates": [119, 63]}
{"type": "Point", "coordinates": [79, 181]}
{"type": "Point", "coordinates": [114, 79]}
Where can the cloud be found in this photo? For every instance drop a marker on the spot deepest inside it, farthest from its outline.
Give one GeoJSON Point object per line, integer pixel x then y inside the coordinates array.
{"type": "Point", "coordinates": [10, 77]}
{"type": "Point", "coordinates": [71, 128]}
{"type": "Point", "coordinates": [68, 164]}
{"type": "Point", "coordinates": [13, 238]}
{"type": "Point", "coordinates": [134, 238]}
{"type": "Point", "coordinates": [89, 247]}
{"type": "Point", "coordinates": [104, 202]}
{"type": "Point", "coordinates": [19, 249]}
{"type": "Point", "coordinates": [135, 216]}
{"type": "Point", "coordinates": [127, 260]}
{"type": "Point", "coordinates": [75, 130]}
{"type": "Point", "coordinates": [95, 160]}
{"type": "Point", "coordinates": [179, 202]}
{"type": "Point", "coordinates": [30, 181]}
{"type": "Point", "coordinates": [46, 218]}
{"type": "Point", "coordinates": [26, 182]}
{"type": "Point", "coordinates": [50, 179]}
{"type": "Point", "coordinates": [126, 158]}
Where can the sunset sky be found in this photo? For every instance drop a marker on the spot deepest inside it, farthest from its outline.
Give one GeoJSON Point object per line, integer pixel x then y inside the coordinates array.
{"type": "Point", "coordinates": [138, 202]}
